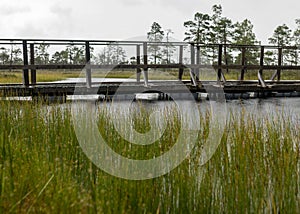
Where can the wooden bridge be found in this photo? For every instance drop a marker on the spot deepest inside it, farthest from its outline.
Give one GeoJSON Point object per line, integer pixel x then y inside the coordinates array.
{"type": "Point", "coordinates": [193, 64]}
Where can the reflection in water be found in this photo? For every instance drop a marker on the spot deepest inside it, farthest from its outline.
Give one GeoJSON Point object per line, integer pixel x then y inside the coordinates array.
{"type": "Point", "coordinates": [260, 108]}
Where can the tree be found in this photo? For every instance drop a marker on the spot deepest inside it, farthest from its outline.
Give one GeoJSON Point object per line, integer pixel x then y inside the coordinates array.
{"type": "Point", "coordinates": [282, 36]}
{"type": "Point", "coordinates": [41, 54]}
{"type": "Point", "coordinates": [198, 30]}
{"type": "Point", "coordinates": [169, 50]}
{"type": "Point", "coordinates": [296, 41]}
{"type": "Point", "coordinates": [221, 31]}
{"type": "Point", "coordinates": [61, 57]}
{"type": "Point", "coordinates": [111, 55]}
{"type": "Point", "coordinates": [156, 34]}
{"type": "Point", "coordinates": [76, 54]}
{"type": "Point", "coordinates": [296, 33]}
{"type": "Point", "coordinates": [15, 55]}
{"type": "Point", "coordinates": [244, 35]}
{"type": "Point", "coordinates": [4, 55]}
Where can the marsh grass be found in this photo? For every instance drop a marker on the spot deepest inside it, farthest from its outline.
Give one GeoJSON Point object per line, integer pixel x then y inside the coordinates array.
{"type": "Point", "coordinates": [256, 168]}
{"type": "Point", "coordinates": [159, 74]}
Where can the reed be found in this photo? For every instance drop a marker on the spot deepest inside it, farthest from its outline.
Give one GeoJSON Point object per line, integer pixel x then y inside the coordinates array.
{"type": "Point", "coordinates": [256, 168]}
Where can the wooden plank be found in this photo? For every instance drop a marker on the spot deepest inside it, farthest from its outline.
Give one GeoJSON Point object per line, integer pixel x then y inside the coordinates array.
{"type": "Point", "coordinates": [142, 66]}
{"type": "Point", "coordinates": [25, 62]}
{"type": "Point", "coordinates": [88, 70]}
{"type": "Point", "coordinates": [33, 70]}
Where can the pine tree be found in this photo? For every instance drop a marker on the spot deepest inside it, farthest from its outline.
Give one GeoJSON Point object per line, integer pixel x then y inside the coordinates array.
{"type": "Point", "coordinates": [41, 54]}
{"type": "Point", "coordinates": [282, 36]}
{"type": "Point", "coordinates": [111, 55]}
{"type": "Point", "coordinates": [244, 35]}
{"type": "Point", "coordinates": [155, 35]}
{"type": "Point", "coordinates": [221, 31]}
{"type": "Point", "coordinates": [296, 42]}
{"type": "Point", "coordinates": [198, 30]}
{"type": "Point", "coordinates": [169, 50]}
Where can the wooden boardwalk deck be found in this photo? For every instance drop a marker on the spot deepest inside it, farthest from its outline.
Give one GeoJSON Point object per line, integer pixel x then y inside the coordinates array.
{"type": "Point", "coordinates": [232, 89]}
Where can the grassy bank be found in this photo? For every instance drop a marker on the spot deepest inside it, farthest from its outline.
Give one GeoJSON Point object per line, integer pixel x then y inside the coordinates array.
{"type": "Point", "coordinates": [57, 75]}
{"type": "Point", "coordinates": [43, 169]}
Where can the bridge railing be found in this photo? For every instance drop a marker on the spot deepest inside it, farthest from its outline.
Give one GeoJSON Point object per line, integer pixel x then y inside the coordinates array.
{"type": "Point", "coordinates": [197, 57]}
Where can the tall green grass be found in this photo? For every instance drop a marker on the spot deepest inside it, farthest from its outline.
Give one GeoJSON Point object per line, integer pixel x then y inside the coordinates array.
{"type": "Point", "coordinates": [256, 168]}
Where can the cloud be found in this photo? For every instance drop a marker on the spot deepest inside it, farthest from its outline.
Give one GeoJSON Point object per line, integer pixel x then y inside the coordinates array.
{"type": "Point", "coordinates": [8, 10]}
{"type": "Point", "coordinates": [60, 10]}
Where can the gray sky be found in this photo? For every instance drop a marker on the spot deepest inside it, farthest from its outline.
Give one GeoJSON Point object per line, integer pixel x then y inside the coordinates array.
{"type": "Point", "coordinates": [124, 19]}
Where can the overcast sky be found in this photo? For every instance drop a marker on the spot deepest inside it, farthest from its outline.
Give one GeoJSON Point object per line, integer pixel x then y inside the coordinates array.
{"type": "Point", "coordinates": [124, 19]}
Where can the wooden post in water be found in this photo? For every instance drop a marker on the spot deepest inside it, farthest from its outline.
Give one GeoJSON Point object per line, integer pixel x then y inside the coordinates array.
{"type": "Point", "coordinates": [138, 62]}
{"type": "Point", "coordinates": [243, 64]}
{"type": "Point", "coordinates": [180, 62]}
{"type": "Point", "coordinates": [145, 70]}
{"type": "Point", "coordinates": [88, 69]}
{"type": "Point", "coordinates": [25, 62]}
{"type": "Point", "coordinates": [32, 71]}
{"type": "Point", "coordinates": [220, 63]}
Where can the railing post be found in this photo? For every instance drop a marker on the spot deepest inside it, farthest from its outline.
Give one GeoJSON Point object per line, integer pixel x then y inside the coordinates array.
{"type": "Point", "coordinates": [220, 63]}
{"type": "Point", "coordinates": [279, 63]}
{"type": "Point", "coordinates": [88, 65]}
{"type": "Point", "coordinates": [32, 71]}
{"type": "Point", "coordinates": [180, 62]}
{"type": "Point", "coordinates": [261, 63]}
{"type": "Point", "coordinates": [25, 62]}
{"type": "Point", "coordinates": [197, 71]}
{"type": "Point", "coordinates": [243, 64]}
{"type": "Point", "coordinates": [145, 70]}
{"type": "Point", "coordinates": [138, 62]}
{"type": "Point", "coordinates": [192, 71]}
